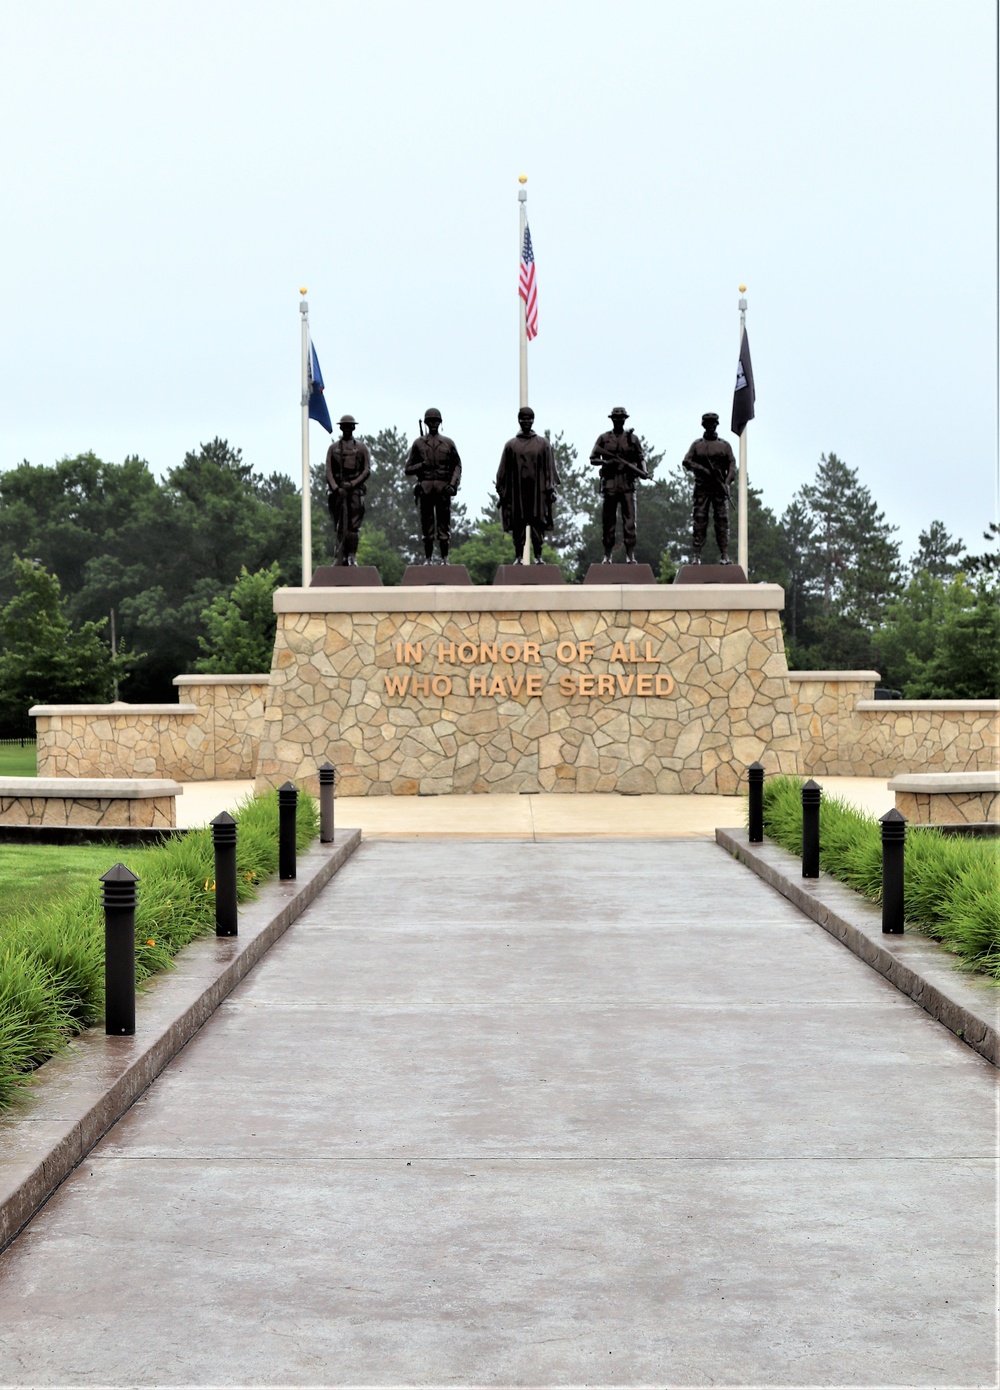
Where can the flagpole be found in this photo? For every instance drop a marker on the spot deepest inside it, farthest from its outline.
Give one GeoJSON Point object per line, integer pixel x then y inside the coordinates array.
{"type": "Point", "coordinates": [741, 544]}
{"type": "Point", "coordinates": [522, 201]}
{"type": "Point", "coordinates": [306, 479]}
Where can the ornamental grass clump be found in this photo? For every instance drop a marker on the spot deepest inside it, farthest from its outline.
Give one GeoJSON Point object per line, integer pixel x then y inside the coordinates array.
{"type": "Point", "coordinates": [52, 959]}
{"type": "Point", "coordinates": [951, 883]}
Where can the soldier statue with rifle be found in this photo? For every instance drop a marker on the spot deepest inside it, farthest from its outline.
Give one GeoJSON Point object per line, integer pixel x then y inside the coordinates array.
{"type": "Point", "coordinates": [348, 465]}
{"type": "Point", "coordinates": [434, 462]}
{"type": "Point", "coordinates": [711, 461]}
{"type": "Point", "coordinates": [618, 454]}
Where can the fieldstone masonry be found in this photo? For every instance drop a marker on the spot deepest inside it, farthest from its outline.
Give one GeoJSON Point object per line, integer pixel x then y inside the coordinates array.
{"type": "Point", "coordinates": [628, 689]}
{"type": "Point", "coordinates": [847, 733]}
{"type": "Point", "coordinates": [88, 802]}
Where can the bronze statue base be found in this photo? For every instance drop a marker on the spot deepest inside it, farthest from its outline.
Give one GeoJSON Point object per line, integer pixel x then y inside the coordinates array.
{"type": "Point", "coordinates": [620, 574]}
{"type": "Point", "coordinates": [435, 574]}
{"type": "Point", "coordinates": [345, 576]}
{"type": "Point", "coordinates": [529, 574]}
{"type": "Point", "coordinates": [710, 574]}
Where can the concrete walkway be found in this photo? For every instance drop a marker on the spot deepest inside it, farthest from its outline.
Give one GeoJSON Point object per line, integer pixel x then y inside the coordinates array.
{"type": "Point", "coordinates": [507, 1113]}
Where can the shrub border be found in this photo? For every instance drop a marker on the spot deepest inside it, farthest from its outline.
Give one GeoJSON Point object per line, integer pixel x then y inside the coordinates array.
{"type": "Point", "coordinates": [75, 1098]}
{"type": "Point", "coordinates": [967, 1005]}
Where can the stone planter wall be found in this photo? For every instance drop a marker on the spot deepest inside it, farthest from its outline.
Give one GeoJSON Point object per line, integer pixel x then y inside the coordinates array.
{"type": "Point", "coordinates": [847, 733]}
{"type": "Point", "coordinates": [631, 689]}
{"type": "Point", "coordinates": [212, 735]}
{"type": "Point", "coordinates": [971, 798]}
{"type": "Point", "coordinates": [86, 802]}
{"type": "Point", "coordinates": [231, 712]}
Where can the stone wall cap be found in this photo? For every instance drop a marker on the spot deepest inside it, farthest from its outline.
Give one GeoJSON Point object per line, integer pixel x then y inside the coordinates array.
{"type": "Point", "coordinates": [222, 680]}
{"type": "Point", "coordinates": [37, 711]}
{"type": "Point", "coordinates": [125, 788]}
{"type": "Point", "coordinates": [946, 782]}
{"type": "Point", "coordinates": [954, 706]}
{"type": "Point", "coordinates": [540, 598]}
{"type": "Point", "coordinates": [835, 676]}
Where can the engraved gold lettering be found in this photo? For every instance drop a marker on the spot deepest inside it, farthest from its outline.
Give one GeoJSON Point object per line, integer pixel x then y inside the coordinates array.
{"type": "Point", "coordinates": [531, 653]}
{"type": "Point", "coordinates": [488, 652]}
{"type": "Point", "coordinates": [618, 652]}
{"type": "Point", "coordinates": [446, 652]}
{"type": "Point", "coordinates": [413, 652]}
{"type": "Point", "coordinates": [533, 685]}
{"type": "Point", "coordinates": [625, 684]}
{"type": "Point", "coordinates": [477, 685]}
{"type": "Point", "coordinates": [420, 685]}
{"type": "Point", "coordinates": [586, 683]}
{"type": "Point", "coordinates": [605, 685]}
{"type": "Point", "coordinates": [497, 686]}
{"type": "Point", "coordinates": [644, 684]}
{"type": "Point", "coordinates": [510, 652]}
{"type": "Point", "coordinates": [396, 685]}
{"type": "Point", "coordinates": [441, 685]}
{"type": "Point", "coordinates": [566, 652]}
{"type": "Point", "coordinates": [468, 653]}
{"type": "Point", "coordinates": [664, 684]}
{"type": "Point", "coordinates": [514, 683]}
{"type": "Point", "coordinates": [586, 651]}
{"type": "Point", "coordinates": [567, 683]}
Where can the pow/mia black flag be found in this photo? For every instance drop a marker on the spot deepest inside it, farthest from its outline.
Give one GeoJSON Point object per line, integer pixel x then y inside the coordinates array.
{"type": "Point", "coordinates": [743, 396]}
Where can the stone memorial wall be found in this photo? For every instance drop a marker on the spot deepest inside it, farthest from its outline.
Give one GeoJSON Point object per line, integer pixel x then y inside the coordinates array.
{"type": "Point", "coordinates": [645, 688]}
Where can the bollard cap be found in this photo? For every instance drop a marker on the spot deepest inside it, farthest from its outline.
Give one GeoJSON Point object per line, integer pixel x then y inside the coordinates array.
{"type": "Point", "coordinates": [120, 874]}
{"type": "Point", "coordinates": [287, 793]}
{"type": "Point", "coordinates": [811, 791]}
{"type": "Point", "coordinates": [223, 829]}
{"type": "Point", "coordinates": [893, 825]}
{"type": "Point", "coordinates": [327, 772]}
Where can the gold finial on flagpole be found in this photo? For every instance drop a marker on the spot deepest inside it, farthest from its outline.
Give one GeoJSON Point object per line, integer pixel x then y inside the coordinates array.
{"type": "Point", "coordinates": [743, 289]}
{"type": "Point", "coordinates": [522, 178]}
{"type": "Point", "coordinates": [303, 290]}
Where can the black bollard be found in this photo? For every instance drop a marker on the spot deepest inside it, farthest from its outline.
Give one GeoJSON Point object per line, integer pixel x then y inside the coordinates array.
{"type": "Point", "coordinates": [812, 793]}
{"type": "Point", "coordinates": [288, 798]}
{"type": "Point", "coordinates": [224, 842]}
{"type": "Point", "coordinates": [327, 777]}
{"type": "Point", "coordinates": [119, 893]}
{"type": "Point", "coordinates": [755, 778]}
{"type": "Point", "coordinates": [893, 825]}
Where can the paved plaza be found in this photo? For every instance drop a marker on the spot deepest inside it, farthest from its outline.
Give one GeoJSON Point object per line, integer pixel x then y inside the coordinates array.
{"type": "Point", "coordinates": [502, 1112]}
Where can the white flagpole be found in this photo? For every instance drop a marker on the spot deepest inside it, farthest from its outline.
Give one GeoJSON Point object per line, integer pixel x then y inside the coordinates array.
{"type": "Point", "coordinates": [741, 552]}
{"type": "Point", "coordinates": [522, 200]}
{"type": "Point", "coordinates": [306, 480]}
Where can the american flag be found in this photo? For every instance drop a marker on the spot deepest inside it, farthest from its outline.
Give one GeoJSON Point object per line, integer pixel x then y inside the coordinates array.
{"type": "Point", "coordinates": [526, 286]}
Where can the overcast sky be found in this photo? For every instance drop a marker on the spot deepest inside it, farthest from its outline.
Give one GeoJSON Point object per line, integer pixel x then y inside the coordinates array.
{"type": "Point", "coordinates": [172, 173]}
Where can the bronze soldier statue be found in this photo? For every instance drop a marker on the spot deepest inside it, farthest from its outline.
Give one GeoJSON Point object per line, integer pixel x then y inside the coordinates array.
{"type": "Point", "coordinates": [526, 483]}
{"type": "Point", "coordinates": [435, 464]}
{"type": "Point", "coordinates": [711, 461]}
{"type": "Point", "coordinates": [618, 454]}
{"type": "Point", "coordinates": [348, 464]}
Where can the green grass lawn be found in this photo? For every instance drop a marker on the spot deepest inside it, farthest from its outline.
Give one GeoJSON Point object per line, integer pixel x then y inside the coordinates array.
{"type": "Point", "coordinates": [35, 876]}
{"type": "Point", "coordinates": [17, 762]}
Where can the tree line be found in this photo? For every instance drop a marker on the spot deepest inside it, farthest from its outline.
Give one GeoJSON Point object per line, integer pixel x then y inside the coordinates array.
{"type": "Point", "coordinates": [187, 564]}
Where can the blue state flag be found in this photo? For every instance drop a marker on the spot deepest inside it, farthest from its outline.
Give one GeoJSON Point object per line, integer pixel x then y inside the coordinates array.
{"type": "Point", "coordinates": [318, 409]}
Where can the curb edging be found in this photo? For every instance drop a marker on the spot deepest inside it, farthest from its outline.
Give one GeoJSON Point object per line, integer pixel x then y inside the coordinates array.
{"type": "Point", "coordinates": [76, 1096]}
{"type": "Point", "coordinates": [915, 964]}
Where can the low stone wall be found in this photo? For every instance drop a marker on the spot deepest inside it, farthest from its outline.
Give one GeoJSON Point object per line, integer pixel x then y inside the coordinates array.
{"type": "Point", "coordinates": [971, 798]}
{"type": "Point", "coordinates": [212, 735]}
{"type": "Point", "coordinates": [103, 801]}
{"type": "Point", "coordinates": [847, 733]}
{"type": "Point", "coordinates": [637, 688]}
{"type": "Point", "coordinates": [231, 712]}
